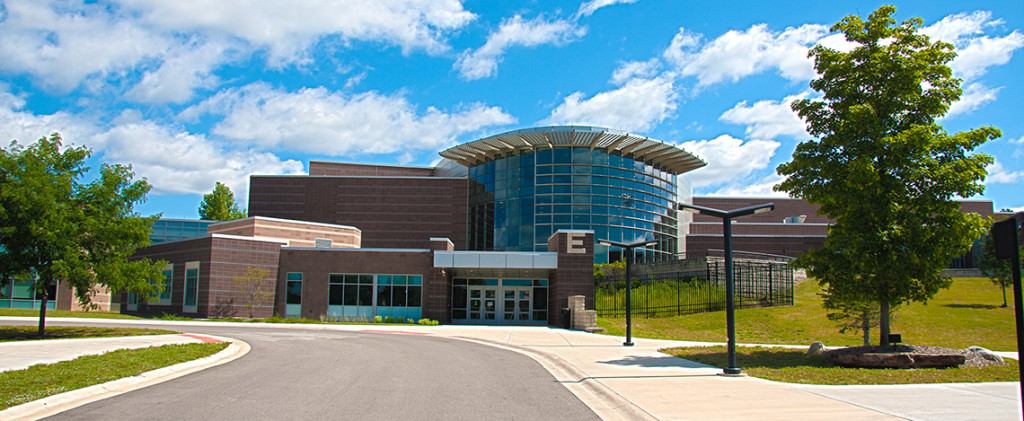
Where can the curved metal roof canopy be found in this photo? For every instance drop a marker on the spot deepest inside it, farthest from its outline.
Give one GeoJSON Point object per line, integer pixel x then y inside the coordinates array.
{"type": "Point", "coordinates": [664, 156]}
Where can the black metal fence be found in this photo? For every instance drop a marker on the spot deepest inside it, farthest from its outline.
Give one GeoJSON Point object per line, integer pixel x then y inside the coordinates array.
{"type": "Point", "coordinates": [658, 292]}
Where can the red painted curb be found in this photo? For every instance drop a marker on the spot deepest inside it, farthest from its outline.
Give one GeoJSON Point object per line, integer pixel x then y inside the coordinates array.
{"type": "Point", "coordinates": [205, 339]}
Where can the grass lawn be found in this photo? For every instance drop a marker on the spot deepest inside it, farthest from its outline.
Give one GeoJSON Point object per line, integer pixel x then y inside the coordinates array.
{"type": "Point", "coordinates": [40, 381]}
{"type": "Point", "coordinates": [22, 333]}
{"type": "Point", "coordinates": [966, 314]}
{"type": "Point", "coordinates": [66, 313]}
{"type": "Point", "coordinates": [795, 366]}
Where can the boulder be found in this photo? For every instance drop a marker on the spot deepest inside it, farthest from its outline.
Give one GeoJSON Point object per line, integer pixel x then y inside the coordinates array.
{"type": "Point", "coordinates": [985, 353]}
{"type": "Point", "coordinates": [897, 360]}
{"type": "Point", "coordinates": [816, 348]}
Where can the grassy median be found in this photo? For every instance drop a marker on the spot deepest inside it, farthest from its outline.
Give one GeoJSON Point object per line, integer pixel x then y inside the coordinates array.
{"type": "Point", "coordinates": [23, 333]}
{"type": "Point", "coordinates": [42, 380]}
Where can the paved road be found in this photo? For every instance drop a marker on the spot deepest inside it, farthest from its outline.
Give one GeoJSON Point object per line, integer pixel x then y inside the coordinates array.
{"type": "Point", "coordinates": [301, 374]}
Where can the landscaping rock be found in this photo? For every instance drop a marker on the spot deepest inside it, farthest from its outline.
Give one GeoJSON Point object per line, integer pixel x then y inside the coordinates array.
{"type": "Point", "coordinates": [897, 356]}
{"type": "Point", "coordinates": [816, 348]}
{"type": "Point", "coordinates": [985, 353]}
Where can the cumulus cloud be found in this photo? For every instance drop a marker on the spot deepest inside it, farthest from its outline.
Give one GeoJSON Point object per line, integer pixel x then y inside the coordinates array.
{"type": "Point", "coordinates": [315, 120]}
{"type": "Point", "coordinates": [288, 28]}
{"type": "Point", "coordinates": [998, 174]}
{"type": "Point", "coordinates": [738, 54]}
{"type": "Point", "coordinates": [768, 119]}
{"type": "Point", "coordinates": [26, 127]}
{"type": "Point", "coordinates": [762, 187]}
{"type": "Point", "coordinates": [638, 105]}
{"type": "Point", "coordinates": [974, 96]}
{"type": "Point", "coordinates": [588, 8]}
{"type": "Point", "coordinates": [63, 48]}
{"type": "Point", "coordinates": [515, 31]}
{"type": "Point", "coordinates": [635, 70]}
{"type": "Point", "coordinates": [975, 53]}
{"type": "Point", "coordinates": [728, 158]}
{"type": "Point", "coordinates": [180, 162]}
{"type": "Point", "coordinates": [183, 70]}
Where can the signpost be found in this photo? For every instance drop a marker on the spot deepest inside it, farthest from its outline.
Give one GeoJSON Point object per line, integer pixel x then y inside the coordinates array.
{"type": "Point", "coordinates": [1004, 234]}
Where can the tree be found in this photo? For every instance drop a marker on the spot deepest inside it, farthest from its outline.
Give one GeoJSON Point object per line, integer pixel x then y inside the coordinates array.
{"type": "Point", "coordinates": [857, 315]}
{"type": "Point", "coordinates": [255, 292]}
{"type": "Point", "coordinates": [996, 269]}
{"type": "Point", "coordinates": [219, 205]}
{"type": "Point", "coordinates": [882, 167]}
{"type": "Point", "coordinates": [54, 228]}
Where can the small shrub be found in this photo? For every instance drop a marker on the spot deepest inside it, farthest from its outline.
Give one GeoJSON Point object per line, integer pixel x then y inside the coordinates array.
{"type": "Point", "coordinates": [378, 319]}
{"type": "Point", "coordinates": [389, 319]}
{"type": "Point", "coordinates": [428, 322]}
{"type": "Point", "coordinates": [400, 320]}
{"type": "Point", "coordinates": [411, 321]}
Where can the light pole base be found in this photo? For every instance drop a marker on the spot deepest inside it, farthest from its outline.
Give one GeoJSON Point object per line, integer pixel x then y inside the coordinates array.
{"type": "Point", "coordinates": [627, 344]}
{"type": "Point", "coordinates": [732, 372]}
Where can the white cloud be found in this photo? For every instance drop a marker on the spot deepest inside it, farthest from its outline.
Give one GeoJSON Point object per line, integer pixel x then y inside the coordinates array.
{"type": "Point", "coordinates": [998, 174]}
{"type": "Point", "coordinates": [974, 96]}
{"type": "Point", "coordinates": [760, 188]}
{"type": "Point", "coordinates": [179, 162]}
{"type": "Point", "coordinates": [588, 8]}
{"type": "Point", "coordinates": [288, 28]}
{"type": "Point", "coordinates": [63, 48]}
{"type": "Point", "coordinates": [738, 54]}
{"type": "Point", "coordinates": [728, 158]}
{"type": "Point", "coordinates": [636, 106]}
{"type": "Point", "coordinates": [515, 31]}
{"type": "Point", "coordinates": [768, 119]}
{"type": "Point", "coordinates": [315, 120]}
{"type": "Point", "coordinates": [635, 69]}
{"type": "Point", "coordinates": [26, 127]}
{"type": "Point", "coordinates": [184, 69]}
{"type": "Point", "coordinates": [1017, 141]}
{"type": "Point", "coordinates": [975, 53]}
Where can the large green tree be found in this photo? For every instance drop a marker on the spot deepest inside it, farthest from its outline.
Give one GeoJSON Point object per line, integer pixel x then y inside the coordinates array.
{"type": "Point", "coordinates": [883, 168]}
{"type": "Point", "coordinates": [219, 205]}
{"type": "Point", "coordinates": [55, 228]}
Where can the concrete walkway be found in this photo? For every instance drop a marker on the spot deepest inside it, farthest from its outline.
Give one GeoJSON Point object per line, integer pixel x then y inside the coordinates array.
{"type": "Point", "coordinates": [638, 382]}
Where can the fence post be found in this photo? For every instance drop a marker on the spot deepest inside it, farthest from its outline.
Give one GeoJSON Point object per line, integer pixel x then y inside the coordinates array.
{"type": "Point", "coordinates": [771, 296]}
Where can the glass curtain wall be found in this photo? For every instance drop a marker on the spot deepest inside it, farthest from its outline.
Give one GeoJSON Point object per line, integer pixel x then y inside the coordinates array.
{"type": "Point", "coordinates": [517, 202]}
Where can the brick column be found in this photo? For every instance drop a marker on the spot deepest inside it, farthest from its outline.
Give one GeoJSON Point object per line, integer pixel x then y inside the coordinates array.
{"type": "Point", "coordinates": [575, 273]}
{"type": "Point", "coordinates": [437, 286]}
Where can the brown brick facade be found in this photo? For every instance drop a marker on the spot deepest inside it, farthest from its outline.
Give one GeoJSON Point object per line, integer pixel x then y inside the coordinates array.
{"type": "Point", "coordinates": [575, 273]}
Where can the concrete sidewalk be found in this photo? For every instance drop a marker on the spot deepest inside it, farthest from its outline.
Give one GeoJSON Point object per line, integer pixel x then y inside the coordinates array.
{"type": "Point", "coordinates": [638, 382]}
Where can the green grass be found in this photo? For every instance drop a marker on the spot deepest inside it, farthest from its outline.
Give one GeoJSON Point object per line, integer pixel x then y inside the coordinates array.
{"type": "Point", "coordinates": [22, 333]}
{"type": "Point", "coordinates": [966, 314]}
{"type": "Point", "coordinates": [795, 366]}
{"type": "Point", "coordinates": [66, 313]}
{"type": "Point", "coordinates": [40, 381]}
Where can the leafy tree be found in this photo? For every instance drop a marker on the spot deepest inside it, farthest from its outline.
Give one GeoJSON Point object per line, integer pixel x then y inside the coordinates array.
{"type": "Point", "coordinates": [219, 205]}
{"type": "Point", "coordinates": [997, 269]}
{"type": "Point", "coordinates": [882, 167]}
{"type": "Point", "coordinates": [254, 290]}
{"type": "Point", "coordinates": [54, 228]}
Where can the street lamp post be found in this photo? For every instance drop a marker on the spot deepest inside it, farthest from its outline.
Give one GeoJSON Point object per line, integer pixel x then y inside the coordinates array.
{"type": "Point", "coordinates": [730, 303]}
{"type": "Point", "coordinates": [629, 284]}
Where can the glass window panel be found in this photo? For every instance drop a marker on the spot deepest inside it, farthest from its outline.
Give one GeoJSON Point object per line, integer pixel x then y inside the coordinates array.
{"type": "Point", "coordinates": [294, 276]}
{"type": "Point", "coordinates": [562, 156]}
{"type": "Point", "coordinates": [383, 295]}
{"type": "Point", "coordinates": [365, 279]}
{"type": "Point", "coordinates": [351, 295]}
{"type": "Point", "coordinates": [562, 169]}
{"type": "Point", "coordinates": [415, 280]}
{"type": "Point", "coordinates": [335, 294]}
{"type": "Point", "coordinates": [415, 297]}
{"type": "Point", "coordinates": [459, 297]}
{"type": "Point", "coordinates": [540, 298]}
{"type": "Point", "coordinates": [293, 293]}
{"type": "Point", "coordinates": [335, 278]}
{"type": "Point", "coordinates": [516, 283]}
{"type": "Point", "coordinates": [383, 279]}
{"type": "Point", "coordinates": [365, 295]}
{"type": "Point", "coordinates": [544, 156]}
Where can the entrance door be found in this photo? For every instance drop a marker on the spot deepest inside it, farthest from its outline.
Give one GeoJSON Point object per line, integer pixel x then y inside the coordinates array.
{"type": "Point", "coordinates": [483, 302]}
{"type": "Point", "coordinates": [516, 303]}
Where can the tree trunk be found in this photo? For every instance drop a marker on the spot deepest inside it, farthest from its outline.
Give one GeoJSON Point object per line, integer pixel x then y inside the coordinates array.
{"type": "Point", "coordinates": [42, 309]}
{"type": "Point", "coordinates": [883, 323]}
{"type": "Point", "coordinates": [865, 325]}
{"type": "Point", "coordinates": [1004, 294]}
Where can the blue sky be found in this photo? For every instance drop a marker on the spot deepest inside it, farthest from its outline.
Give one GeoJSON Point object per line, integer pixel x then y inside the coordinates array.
{"type": "Point", "coordinates": [192, 92]}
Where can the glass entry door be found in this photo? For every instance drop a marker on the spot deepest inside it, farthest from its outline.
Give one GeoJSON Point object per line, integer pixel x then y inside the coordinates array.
{"type": "Point", "coordinates": [516, 303]}
{"type": "Point", "coordinates": [483, 302]}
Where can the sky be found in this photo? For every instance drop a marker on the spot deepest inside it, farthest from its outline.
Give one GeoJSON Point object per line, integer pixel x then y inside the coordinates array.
{"type": "Point", "coordinates": [191, 92]}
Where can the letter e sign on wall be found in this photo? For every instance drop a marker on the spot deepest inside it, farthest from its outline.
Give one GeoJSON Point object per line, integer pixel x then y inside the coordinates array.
{"type": "Point", "coordinates": [576, 243]}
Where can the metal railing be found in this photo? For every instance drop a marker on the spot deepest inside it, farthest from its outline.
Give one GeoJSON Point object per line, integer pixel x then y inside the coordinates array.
{"type": "Point", "coordinates": [657, 291]}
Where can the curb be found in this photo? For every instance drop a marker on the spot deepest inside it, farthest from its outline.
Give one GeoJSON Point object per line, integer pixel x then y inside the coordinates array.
{"type": "Point", "coordinates": [605, 402]}
{"type": "Point", "coordinates": [56, 404]}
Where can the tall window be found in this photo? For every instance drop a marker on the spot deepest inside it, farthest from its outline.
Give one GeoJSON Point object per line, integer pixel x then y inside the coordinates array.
{"type": "Point", "coordinates": [293, 294]}
{"type": "Point", "coordinates": [191, 298]}
{"type": "Point", "coordinates": [164, 297]}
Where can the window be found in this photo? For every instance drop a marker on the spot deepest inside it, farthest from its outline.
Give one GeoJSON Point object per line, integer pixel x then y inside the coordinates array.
{"type": "Point", "coordinates": [368, 295]}
{"type": "Point", "coordinates": [164, 297]}
{"type": "Point", "coordinates": [293, 294]}
{"type": "Point", "coordinates": [191, 299]}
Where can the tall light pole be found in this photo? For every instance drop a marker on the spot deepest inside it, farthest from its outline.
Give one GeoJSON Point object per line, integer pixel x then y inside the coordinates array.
{"type": "Point", "coordinates": [629, 281]}
{"type": "Point", "coordinates": [730, 303]}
